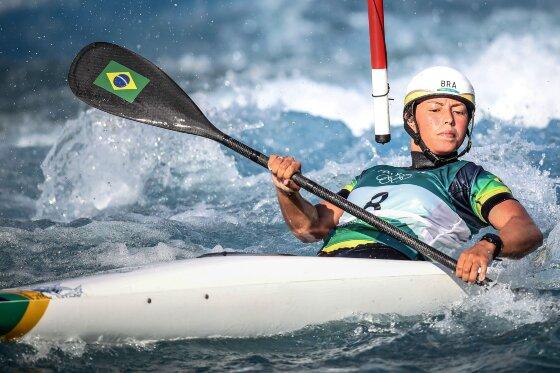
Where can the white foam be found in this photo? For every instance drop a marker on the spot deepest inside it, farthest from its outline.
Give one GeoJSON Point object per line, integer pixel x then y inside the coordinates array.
{"type": "Point", "coordinates": [192, 63]}
{"type": "Point", "coordinates": [498, 308]}
{"type": "Point", "coordinates": [44, 349]}
{"type": "Point", "coordinates": [552, 243]}
{"type": "Point", "coordinates": [28, 130]}
{"type": "Point", "coordinates": [349, 105]}
{"type": "Point", "coordinates": [519, 94]}
{"type": "Point", "coordinates": [120, 255]}
{"type": "Point", "coordinates": [102, 161]}
{"type": "Point", "coordinates": [517, 78]}
{"type": "Point", "coordinates": [11, 5]}
{"type": "Point", "coordinates": [203, 214]}
{"type": "Point", "coordinates": [36, 139]}
{"type": "Point", "coordinates": [532, 186]}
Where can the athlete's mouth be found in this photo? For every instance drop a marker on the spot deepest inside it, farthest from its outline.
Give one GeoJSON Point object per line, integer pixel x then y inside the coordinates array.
{"type": "Point", "coordinates": [447, 135]}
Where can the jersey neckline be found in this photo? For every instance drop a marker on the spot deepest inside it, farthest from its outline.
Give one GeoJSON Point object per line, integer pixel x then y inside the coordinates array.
{"type": "Point", "coordinates": [421, 162]}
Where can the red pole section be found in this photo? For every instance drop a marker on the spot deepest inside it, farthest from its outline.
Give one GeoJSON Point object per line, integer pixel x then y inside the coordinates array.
{"type": "Point", "coordinates": [377, 34]}
{"type": "Point", "coordinates": [379, 79]}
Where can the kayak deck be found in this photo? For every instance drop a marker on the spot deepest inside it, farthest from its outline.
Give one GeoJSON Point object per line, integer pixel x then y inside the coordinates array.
{"type": "Point", "coordinates": [233, 296]}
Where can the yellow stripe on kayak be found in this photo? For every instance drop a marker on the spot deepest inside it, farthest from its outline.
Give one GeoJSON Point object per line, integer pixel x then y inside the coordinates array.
{"type": "Point", "coordinates": [38, 303]}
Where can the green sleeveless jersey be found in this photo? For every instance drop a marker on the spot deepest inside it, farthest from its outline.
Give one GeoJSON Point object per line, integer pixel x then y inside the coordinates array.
{"type": "Point", "coordinates": [441, 206]}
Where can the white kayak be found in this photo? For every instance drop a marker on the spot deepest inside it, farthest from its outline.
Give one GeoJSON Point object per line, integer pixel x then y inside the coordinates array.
{"type": "Point", "coordinates": [231, 296]}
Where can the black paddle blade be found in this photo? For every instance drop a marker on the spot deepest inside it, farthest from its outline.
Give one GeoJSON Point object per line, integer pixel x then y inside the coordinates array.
{"type": "Point", "coordinates": [120, 82]}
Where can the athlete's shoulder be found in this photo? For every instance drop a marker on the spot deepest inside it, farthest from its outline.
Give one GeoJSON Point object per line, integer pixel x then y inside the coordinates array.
{"type": "Point", "coordinates": [469, 173]}
{"type": "Point", "coordinates": [466, 172]}
{"type": "Point", "coordinates": [475, 192]}
{"type": "Point", "coordinates": [447, 174]}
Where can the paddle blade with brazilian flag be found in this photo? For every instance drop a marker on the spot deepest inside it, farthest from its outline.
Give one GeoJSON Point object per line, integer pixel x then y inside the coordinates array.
{"type": "Point", "coordinates": [120, 82]}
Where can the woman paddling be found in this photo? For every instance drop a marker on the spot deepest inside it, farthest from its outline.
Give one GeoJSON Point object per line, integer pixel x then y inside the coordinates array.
{"type": "Point", "coordinates": [439, 199]}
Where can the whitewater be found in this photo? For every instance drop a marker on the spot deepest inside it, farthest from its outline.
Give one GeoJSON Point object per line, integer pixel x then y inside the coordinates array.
{"type": "Point", "coordinates": [82, 191]}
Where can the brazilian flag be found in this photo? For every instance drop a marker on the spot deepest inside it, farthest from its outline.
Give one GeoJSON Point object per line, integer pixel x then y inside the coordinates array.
{"type": "Point", "coordinates": [121, 81]}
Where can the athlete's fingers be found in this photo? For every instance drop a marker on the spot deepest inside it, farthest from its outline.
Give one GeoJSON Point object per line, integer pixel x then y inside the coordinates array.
{"type": "Point", "coordinates": [287, 161]}
{"type": "Point", "coordinates": [474, 271]}
{"type": "Point", "coordinates": [280, 166]}
{"type": "Point", "coordinates": [285, 167]}
{"type": "Point", "coordinates": [460, 263]}
{"type": "Point", "coordinates": [271, 159]}
{"type": "Point", "coordinates": [467, 268]}
{"type": "Point", "coordinates": [294, 167]}
{"type": "Point", "coordinates": [282, 169]}
{"type": "Point", "coordinates": [463, 262]}
{"type": "Point", "coordinates": [483, 269]}
{"type": "Point", "coordinates": [275, 163]}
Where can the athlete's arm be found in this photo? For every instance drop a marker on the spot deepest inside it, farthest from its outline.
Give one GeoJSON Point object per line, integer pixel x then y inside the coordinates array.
{"type": "Point", "coordinates": [307, 222]}
{"type": "Point", "coordinates": [516, 229]}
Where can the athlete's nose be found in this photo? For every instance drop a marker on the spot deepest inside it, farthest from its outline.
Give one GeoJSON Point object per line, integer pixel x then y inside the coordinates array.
{"type": "Point", "coordinates": [448, 116]}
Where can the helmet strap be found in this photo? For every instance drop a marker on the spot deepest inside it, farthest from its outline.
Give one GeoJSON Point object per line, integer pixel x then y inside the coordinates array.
{"type": "Point", "coordinates": [436, 159]}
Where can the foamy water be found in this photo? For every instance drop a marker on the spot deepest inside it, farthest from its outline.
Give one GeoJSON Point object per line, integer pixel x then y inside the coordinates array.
{"type": "Point", "coordinates": [82, 191]}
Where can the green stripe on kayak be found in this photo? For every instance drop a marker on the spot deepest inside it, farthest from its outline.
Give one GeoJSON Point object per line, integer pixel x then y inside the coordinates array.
{"type": "Point", "coordinates": [12, 309]}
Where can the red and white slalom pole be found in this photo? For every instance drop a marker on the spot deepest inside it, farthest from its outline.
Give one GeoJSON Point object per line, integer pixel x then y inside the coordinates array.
{"type": "Point", "coordinates": [379, 80]}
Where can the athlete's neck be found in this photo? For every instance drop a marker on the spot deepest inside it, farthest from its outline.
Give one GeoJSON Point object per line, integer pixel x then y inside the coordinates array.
{"type": "Point", "coordinates": [420, 161]}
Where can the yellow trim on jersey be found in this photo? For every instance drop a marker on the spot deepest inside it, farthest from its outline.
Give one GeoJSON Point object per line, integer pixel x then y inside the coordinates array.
{"type": "Point", "coordinates": [345, 244]}
{"type": "Point", "coordinates": [485, 196]}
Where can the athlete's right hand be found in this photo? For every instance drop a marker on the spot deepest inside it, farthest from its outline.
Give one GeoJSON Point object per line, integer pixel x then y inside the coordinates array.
{"type": "Point", "coordinates": [282, 169]}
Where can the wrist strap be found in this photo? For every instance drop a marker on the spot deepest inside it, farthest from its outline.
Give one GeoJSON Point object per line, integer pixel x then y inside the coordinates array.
{"type": "Point", "coordinates": [496, 240]}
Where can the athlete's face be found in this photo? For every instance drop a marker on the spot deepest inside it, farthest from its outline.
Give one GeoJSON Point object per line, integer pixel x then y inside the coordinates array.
{"type": "Point", "coordinates": [443, 124]}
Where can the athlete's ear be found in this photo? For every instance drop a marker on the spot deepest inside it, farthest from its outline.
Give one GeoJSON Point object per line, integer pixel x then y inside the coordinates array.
{"type": "Point", "coordinates": [410, 121]}
{"type": "Point", "coordinates": [409, 118]}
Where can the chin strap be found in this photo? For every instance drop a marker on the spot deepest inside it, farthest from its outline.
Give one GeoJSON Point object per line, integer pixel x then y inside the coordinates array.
{"type": "Point", "coordinates": [436, 159]}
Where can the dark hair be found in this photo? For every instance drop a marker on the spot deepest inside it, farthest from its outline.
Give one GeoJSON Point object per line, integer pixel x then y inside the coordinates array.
{"type": "Point", "coordinates": [408, 112]}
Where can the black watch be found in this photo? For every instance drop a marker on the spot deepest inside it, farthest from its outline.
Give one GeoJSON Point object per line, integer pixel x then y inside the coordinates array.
{"type": "Point", "coordinates": [496, 240]}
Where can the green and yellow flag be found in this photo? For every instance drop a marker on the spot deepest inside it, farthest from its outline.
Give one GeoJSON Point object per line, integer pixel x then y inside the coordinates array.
{"type": "Point", "coordinates": [121, 81]}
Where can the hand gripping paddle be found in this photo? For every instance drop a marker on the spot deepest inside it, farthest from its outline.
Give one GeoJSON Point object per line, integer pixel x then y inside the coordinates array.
{"type": "Point", "coordinates": [120, 82]}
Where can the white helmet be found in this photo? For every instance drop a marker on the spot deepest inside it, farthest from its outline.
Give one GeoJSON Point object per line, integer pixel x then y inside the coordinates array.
{"type": "Point", "coordinates": [440, 81]}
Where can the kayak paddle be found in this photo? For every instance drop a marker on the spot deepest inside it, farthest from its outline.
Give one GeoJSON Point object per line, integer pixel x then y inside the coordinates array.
{"type": "Point", "coordinates": [120, 82]}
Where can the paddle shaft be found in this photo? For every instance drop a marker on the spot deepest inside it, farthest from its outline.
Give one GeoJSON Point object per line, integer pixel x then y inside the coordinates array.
{"type": "Point", "coordinates": [344, 204]}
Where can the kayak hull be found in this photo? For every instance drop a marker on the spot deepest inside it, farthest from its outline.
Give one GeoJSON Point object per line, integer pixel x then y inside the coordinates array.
{"type": "Point", "coordinates": [232, 296]}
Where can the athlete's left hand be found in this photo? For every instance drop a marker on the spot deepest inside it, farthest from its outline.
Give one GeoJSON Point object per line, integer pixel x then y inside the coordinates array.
{"type": "Point", "coordinates": [474, 261]}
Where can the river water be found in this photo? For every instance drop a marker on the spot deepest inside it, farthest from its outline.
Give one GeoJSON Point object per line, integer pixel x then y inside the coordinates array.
{"type": "Point", "coordinates": [82, 191]}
